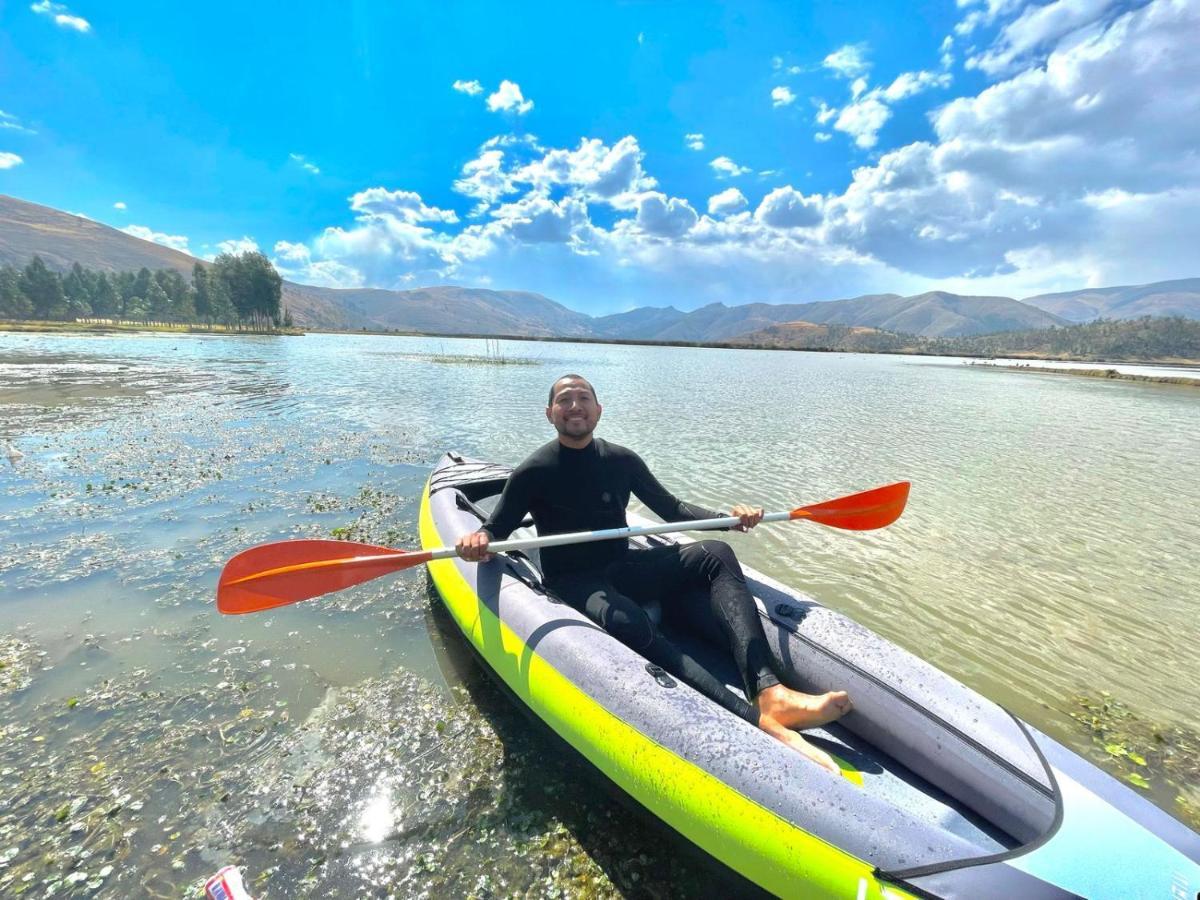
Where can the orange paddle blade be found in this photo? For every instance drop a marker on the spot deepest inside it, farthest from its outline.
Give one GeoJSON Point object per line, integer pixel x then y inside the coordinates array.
{"type": "Point", "coordinates": [875, 508]}
{"type": "Point", "coordinates": [271, 575]}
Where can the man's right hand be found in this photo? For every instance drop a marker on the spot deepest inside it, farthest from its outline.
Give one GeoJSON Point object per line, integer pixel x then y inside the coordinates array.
{"type": "Point", "coordinates": [473, 547]}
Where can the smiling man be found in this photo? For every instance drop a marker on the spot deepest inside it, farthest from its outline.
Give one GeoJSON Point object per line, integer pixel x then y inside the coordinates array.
{"type": "Point", "coordinates": [582, 483]}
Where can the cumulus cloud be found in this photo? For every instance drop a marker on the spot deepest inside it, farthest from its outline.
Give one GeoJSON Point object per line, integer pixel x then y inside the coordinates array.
{"type": "Point", "coordinates": [862, 120]}
{"type": "Point", "coordinates": [174, 241]}
{"type": "Point", "coordinates": [8, 160]}
{"type": "Point", "coordinates": [848, 61]}
{"type": "Point", "coordinates": [120, 204]}
{"type": "Point", "coordinates": [305, 164]}
{"type": "Point", "coordinates": [782, 96]}
{"type": "Point", "coordinates": [787, 207]}
{"type": "Point", "coordinates": [730, 200]}
{"type": "Point", "coordinates": [1081, 169]}
{"type": "Point", "coordinates": [694, 141]}
{"type": "Point", "coordinates": [1037, 28]}
{"type": "Point", "coordinates": [61, 15]}
{"type": "Point", "coordinates": [295, 263]}
{"type": "Point", "coordinates": [661, 217]}
{"type": "Point", "coordinates": [471, 88]}
{"type": "Point", "coordinates": [508, 98]}
{"type": "Point", "coordinates": [727, 168]}
{"type": "Point", "coordinates": [243, 244]}
{"type": "Point", "coordinates": [404, 205]}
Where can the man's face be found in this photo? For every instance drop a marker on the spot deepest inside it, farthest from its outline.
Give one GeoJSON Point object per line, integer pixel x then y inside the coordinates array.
{"type": "Point", "coordinates": [573, 410]}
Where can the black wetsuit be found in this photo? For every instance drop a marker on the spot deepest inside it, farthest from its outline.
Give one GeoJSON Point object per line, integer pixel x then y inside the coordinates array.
{"type": "Point", "coordinates": [700, 586]}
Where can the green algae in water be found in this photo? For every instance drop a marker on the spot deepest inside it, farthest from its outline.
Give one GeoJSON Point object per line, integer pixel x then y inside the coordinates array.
{"type": "Point", "coordinates": [1156, 758]}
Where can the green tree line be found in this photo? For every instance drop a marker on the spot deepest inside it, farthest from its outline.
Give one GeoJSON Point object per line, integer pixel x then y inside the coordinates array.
{"type": "Point", "coordinates": [1147, 338]}
{"type": "Point", "coordinates": [235, 289]}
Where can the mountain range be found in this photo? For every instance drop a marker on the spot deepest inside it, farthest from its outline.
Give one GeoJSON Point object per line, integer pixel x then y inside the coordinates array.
{"type": "Point", "coordinates": [62, 239]}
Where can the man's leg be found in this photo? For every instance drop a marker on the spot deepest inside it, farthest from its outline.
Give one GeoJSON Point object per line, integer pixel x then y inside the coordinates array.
{"type": "Point", "coordinates": [624, 619]}
{"type": "Point", "coordinates": [670, 571]}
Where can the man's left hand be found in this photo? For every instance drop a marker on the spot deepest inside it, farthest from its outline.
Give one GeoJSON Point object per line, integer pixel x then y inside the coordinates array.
{"type": "Point", "coordinates": [750, 516]}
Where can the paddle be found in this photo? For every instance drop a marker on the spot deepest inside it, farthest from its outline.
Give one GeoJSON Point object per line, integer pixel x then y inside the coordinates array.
{"type": "Point", "coordinates": [284, 572]}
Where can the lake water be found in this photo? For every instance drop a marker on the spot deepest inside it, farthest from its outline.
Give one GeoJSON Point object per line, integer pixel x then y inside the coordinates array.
{"type": "Point", "coordinates": [1047, 558]}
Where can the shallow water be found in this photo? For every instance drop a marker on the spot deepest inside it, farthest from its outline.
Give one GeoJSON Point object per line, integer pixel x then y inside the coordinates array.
{"type": "Point", "coordinates": [1047, 553]}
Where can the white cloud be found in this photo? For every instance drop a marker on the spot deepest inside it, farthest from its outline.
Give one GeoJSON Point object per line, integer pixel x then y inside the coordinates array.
{"type": "Point", "coordinates": [909, 84]}
{"type": "Point", "coordinates": [470, 88]}
{"type": "Point", "coordinates": [61, 15]}
{"type": "Point", "coordinates": [694, 141]}
{"type": "Point", "coordinates": [305, 164]}
{"type": "Point", "coordinates": [12, 123]}
{"type": "Point", "coordinates": [120, 204]}
{"type": "Point", "coordinates": [538, 220]}
{"type": "Point", "coordinates": [1038, 27]}
{"type": "Point", "coordinates": [238, 245]}
{"type": "Point", "coordinates": [404, 205]}
{"type": "Point", "coordinates": [661, 217]}
{"type": "Point", "coordinates": [174, 241]}
{"type": "Point", "coordinates": [727, 168]}
{"type": "Point", "coordinates": [786, 207]}
{"type": "Point", "coordinates": [9, 160]}
{"type": "Point", "coordinates": [730, 200]}
{"type": "Point", "coordinates": [1082, 169]}
{"type": "Point", "coordinates": [862, 120]}
{"type": "Point", "coordinates": [825, 113]}
{"type": "Point", "coordinates": [782, 96]}
{"type": "Point", "coordinates": [822, 136]}
{"type": "Point", "coordinates": [508, 98]}
{"type": "Point", "coordinates": [848, 61]}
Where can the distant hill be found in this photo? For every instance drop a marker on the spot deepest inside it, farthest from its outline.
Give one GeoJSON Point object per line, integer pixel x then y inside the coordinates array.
{"type": "Point", "coordinates": [62, 239]}
{"type": "Point", "coordinates": [810, 336]}
{"type": "Point", "coordinates": [934, 314]}
{"type": "Point", "coordinates": [1163, 298]}
{"type": "Point", "coordinates": [1148, 339]}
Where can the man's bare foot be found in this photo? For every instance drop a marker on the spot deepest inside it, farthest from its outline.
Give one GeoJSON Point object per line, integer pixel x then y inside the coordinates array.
{"type": "Point", "coordinates": [782, 733]}
{"type": "Point", "coordinates": [797, 710]}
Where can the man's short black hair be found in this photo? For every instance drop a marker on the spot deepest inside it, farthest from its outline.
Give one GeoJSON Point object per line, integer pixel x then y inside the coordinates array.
{"type": "Point", "coordinates": [550, 402]}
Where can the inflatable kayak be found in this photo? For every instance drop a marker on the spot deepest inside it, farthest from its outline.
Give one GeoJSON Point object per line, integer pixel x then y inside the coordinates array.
{"type": "Point", "coordinates": [943, 794]}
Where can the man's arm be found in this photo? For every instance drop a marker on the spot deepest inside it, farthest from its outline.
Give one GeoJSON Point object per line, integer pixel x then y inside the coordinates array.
{"type": "Point", "coordinates": [513, 505]}
{"type": "Point", "coordinates": [670, 508]}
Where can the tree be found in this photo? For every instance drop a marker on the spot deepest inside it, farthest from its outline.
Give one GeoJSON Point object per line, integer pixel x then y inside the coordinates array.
{"type": "Point", "coordinates": [180, 307]}
{"type": "Point", "coordinates": [201, 298]}
{"type": "Point", "coordinates": [255, 288]}
{"type": "Point", "coordinates": [220, 306]}
{"type": "Point", "coordinates": [158, 303]}
{"type": "Point", "coordinates": [106, 301]}
{"type": "Point", "coordinates": [13, 302]}
{"type": "Point", "coordinates": [78, 292]}
{"type": "Point", "coordinates": [44, 290]}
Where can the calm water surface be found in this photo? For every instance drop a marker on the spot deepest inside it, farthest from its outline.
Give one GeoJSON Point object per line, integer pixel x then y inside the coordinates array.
{"type": "Point", "coordinates": [1048, 552]}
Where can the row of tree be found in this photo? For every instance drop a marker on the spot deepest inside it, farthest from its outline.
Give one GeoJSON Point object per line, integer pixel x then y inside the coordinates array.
{"type": "Point", "coordinates": [1165, 338]}
{"type": "Point", "coordinates": [235, 289]}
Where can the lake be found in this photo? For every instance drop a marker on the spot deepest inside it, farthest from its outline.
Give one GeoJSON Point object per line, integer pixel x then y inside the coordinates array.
{"type": "Point", "coordinates": [1047, 559]}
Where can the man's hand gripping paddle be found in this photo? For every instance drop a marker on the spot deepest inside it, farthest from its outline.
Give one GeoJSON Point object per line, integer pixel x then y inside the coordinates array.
{"type": "Point", "coordinates": [284, 572]}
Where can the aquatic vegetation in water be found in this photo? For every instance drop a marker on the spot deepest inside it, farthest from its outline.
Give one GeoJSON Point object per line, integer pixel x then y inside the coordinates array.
{"type": "Point", "coordinates": [1150, 756]}
{"type": "Point", "coordinates": [19, 659]}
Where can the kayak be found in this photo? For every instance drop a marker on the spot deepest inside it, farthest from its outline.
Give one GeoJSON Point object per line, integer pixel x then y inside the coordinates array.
{"type": "Point", "coordinates": [943, 793]}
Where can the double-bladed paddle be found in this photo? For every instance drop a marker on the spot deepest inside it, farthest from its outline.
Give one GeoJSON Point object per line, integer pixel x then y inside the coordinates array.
{"type": "Point", "coordinates": [284, 572]}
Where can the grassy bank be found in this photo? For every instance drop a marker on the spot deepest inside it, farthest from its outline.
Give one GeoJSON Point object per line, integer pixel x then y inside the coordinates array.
{"type": "Point", "coordinates": [131, 327]}
{"type": "Point", "coordinates": [1107, 374]}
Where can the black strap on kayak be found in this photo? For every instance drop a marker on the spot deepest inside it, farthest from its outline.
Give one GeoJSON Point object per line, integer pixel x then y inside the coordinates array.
{"type": "Point", "coordinates": [902, 876]}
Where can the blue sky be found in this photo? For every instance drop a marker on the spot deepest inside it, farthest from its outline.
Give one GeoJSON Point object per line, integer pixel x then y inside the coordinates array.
{"type": "Point", "coordinates": [617, 155]}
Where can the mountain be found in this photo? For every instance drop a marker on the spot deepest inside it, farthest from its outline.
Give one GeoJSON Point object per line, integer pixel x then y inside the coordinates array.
{"type": "Point", "coordinates": [933, 314]}
{"type": "Point", "coordinates": [62, 239]}
{"type": "Point", "coordinates": [810, 336]}
{"type": "Point", "coordinates": [1162, 298]}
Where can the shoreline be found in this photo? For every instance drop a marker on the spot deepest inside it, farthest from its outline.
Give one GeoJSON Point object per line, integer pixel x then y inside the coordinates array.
{"type": "Point", "coordinates": [1106, 374]}
{"type": "Point", "coordinates": [32, 326]}
{"type": "Point", "coordinates": [184, 329]}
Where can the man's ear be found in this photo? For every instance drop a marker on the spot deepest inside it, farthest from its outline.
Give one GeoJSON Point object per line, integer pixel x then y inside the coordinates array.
{"type": "Point", "coordinates": [599, 411]}
{"type": "Point", "coordinates": [549, 418]}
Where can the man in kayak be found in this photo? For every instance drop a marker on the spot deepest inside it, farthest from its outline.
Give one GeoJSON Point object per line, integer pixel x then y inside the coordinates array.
{"type": "Point", "coordinates": [581, 483]}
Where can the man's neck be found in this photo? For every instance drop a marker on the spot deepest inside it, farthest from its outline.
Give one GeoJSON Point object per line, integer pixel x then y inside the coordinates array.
{"type": "Point", "coordinates": [579, 443]}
